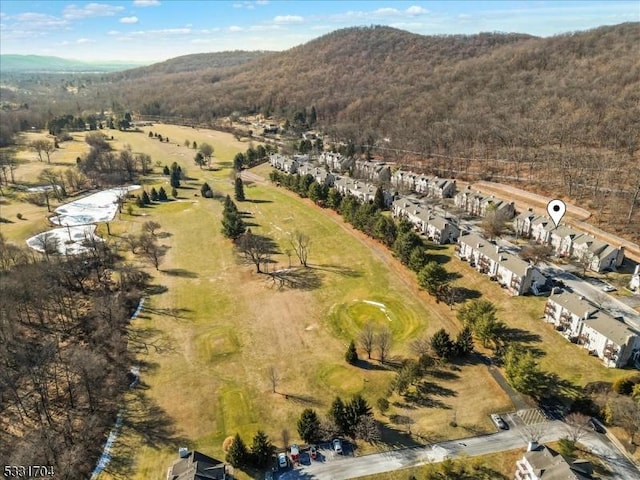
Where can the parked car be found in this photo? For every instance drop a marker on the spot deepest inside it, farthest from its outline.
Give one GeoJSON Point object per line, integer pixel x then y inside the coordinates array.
{"type": "Point", "coordinates": [596, 426]}
{"type": "Point", "coordinates": [283, 461]}
{"type": "Point", "coordinates": [313, 452]}
{"type": "Point", "coordinates": [295, 453]}
{"type": "Point", "coordinates": [608, 288]}
{"type": "Point", "coordinates": [500, 423]}
{"type": "Point", "coordinates": [337, 446]}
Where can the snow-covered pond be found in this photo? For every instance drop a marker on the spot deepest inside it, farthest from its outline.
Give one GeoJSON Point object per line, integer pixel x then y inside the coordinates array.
{"type": "Point", "coordinates": [77, 221]}
{"type": "Point", "coordinates": [96, 208]}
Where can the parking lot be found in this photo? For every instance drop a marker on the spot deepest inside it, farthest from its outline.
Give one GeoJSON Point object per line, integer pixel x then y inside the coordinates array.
{"type": "Point", "coordinates": [325, 455]}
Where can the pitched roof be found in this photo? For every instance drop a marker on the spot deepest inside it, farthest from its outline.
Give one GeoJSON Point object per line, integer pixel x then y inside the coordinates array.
{"type": "Point", "coordinates": [550, 465]}
{"type": "Point", "coordinates": [507, 260]}
{"type": "Point", "coordinates": [615, 330]}
{"type": "Point", "coordinates": [573, 303]}
{"type": "Point", "coordinates": [196, 466]}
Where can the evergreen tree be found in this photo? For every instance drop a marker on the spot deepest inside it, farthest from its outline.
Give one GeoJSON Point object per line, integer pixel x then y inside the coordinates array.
{"type": "Point", "coordinates": [261, 450]}
{"type": "Point", "coordinates": [378, 199]}
{"type": "Point", "coordinates": [352, 355]}
{"type": "Point", "coordinates": [334, 199]}
{"type": "Point", "coordinates": [229, 206]}
{"type": "Point", "coordinates": [162, 195]}
{"type": "Point", "coordinates": [139, 202]}
{"type": "Point", "coordinates": [442, 345]}
{"type": "Point", "coordinates": [205, 190]}
{"type": "Point", "coordinates": [464, 341]}
{"type": "Point", "coordinates": [166, 170]}
{"type": "Point", "coordinates": [175, 178]}
{"type": "Point", "coordinates": [337, 413]}
{"type": "Point", "coordinates": [239, 189]}
{"type": "Point", "coordinates": [309, 426]}
{"type": "Point", "coordinates": [418, 259]}
{"type": "Point", "coordinates": [238, 453]}
{"type": "Point", "coordinates": [145, 198]}
{"type": "Point", "coordinates": [433, 277]}
{"type": "Point", "coordinates": [238, 162]}
{"type": "Point", "coordinates": [154, 194]}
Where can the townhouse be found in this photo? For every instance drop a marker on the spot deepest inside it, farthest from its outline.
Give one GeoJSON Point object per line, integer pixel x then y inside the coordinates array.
{"type": "Point", "coordinates": [523, 223]}
{"type": "Point", "coordinates": [596, 254]}
{"type": "Point", "coordinates": [434, 226]}
{"type": "Point", "coordinates": [363, 191]}
{"type": "Point", "coordinates": [335, 162]}
{"type": "Point", "coordinates": [286, 164]}
{"type": "Point", "coordinates": [377, 172]}
{"type": "Point", "coordinates": [435, 187]}
{"type": "Point", "coordinates": [581, 322]}
{"type": "Point", "coordinates": [478, 205]}
{"type": "Point", "coordinates": [320, 175]}
{"type": "Point", "coordinates": [511, 272]}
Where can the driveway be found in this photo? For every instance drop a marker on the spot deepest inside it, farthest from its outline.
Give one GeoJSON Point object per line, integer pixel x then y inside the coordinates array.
{"type": "Point", "coordinates": [339, 467]}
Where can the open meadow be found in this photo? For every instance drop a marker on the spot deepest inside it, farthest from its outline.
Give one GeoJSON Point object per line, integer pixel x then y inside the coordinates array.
{"type": "Point", "coordinates": [211, 328]}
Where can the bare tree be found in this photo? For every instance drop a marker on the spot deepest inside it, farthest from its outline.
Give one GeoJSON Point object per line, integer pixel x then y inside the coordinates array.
{"type": "Point", "coordinates": [43, 146]}
{"type": "Point", "coordinates": [534, 432]}
{"type": "Point", "coordinates": [577, 425]}
{"type": "Point", "coordinates": [494, 223]}
{"type": "Point", "coordinates": [421, 346]}
{"type": "Point", "coordinates": [255, 248]}
{"type": "Point", "coordinates": [384, 338]}
{"type": "Point", "coordinates": [150, 249]}
{"type": "Point", "coordinates": [301, 244]}
{"type": "Point", "coordinates": [536, 254]}
{"type": "Point", "coordinates": [367, 338]}
{"type": "Point", "coordinates": [151, 226]}
{"type": "Point", "coordinates": [274, 377]}
{"type": "Point", "coordinates": [367, 429]}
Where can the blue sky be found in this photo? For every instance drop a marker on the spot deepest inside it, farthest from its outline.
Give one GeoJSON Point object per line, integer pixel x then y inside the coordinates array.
{"type": "Point", "coordinates": [154, 30]}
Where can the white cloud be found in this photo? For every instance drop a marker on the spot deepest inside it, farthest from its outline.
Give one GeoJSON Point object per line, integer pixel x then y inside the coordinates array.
{"type": "Point", "coordinates": [382, 12]}
{"type": "Point", "coordinates": [250, 5]}
{"type": "Point", "coordinates": [464, 16]}
{"type": "Point", "coordinates": [235, 28]}
{"type": "Point", "coordinates": [416, 10]}
{"type": "Point", "coordinates": [132, 19]}
{"type": "Point", "coordinates": [39, 19]}
{"type": "Point", "coordinates": [146, 3]}
{"type": "Point", "coordinates": [262, 2]}
{"type": "Point", "coordinates": [113, 32]}
{"type": "Point", "coordinates": [288, 19]}
{"type": "Point", "coordinates": [85, 40]}
{"type": "Point", "coordinates": [91, 10]}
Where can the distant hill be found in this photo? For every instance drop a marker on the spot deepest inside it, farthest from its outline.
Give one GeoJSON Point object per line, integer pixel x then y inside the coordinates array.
{"type": "Point", "coordinates": [45, 64]}
{"type": "Point", "coordinates": [193, 63]}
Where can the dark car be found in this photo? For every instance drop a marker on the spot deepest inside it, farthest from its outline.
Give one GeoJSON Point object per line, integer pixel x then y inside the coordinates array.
{"type": "Point", "coordinates": [596, 426]}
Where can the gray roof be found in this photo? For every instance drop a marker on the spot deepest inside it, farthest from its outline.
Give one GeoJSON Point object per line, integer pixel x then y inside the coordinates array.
{"type": "Point", "coordinates": [615, 330]}
{"type": "Point", "coordinates": [550, 465]}
{"type": "Point", "coordinates": [577, 305]}
{"type": "Point", "coordinates": [505, 259]}
{"type": "Point", "coordinates": [197, 466]}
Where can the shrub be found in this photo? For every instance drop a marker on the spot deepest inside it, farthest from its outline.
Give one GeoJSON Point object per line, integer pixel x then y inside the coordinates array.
{"type": "Point", "coordinates": [19, 215]}
{"type": "Point", "coordinates": [383, 404]}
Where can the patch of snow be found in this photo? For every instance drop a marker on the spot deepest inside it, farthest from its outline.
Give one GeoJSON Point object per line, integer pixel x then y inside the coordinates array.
{"type": "Point", "coordinates": [381, 306]}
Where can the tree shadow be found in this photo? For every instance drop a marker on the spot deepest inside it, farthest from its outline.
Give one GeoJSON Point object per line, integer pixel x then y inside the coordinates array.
{"type": "Point", "coordinates": [164, 234]}
{"type": "Point", "coordinates": [431, 388]}
{"type": "Point", "coordinates": [441, 374]}
{"type": "Point", "coordinates": [148, 339]}
{"type": "Point", "coordinates": [296, 278]}
{"type": "Point", "coordinates": [439, 258]}
{"type": "Point", "coordinates": [257, 200]}
{"type": "Point", "coordinates": [155, 290]}
{"type": "Point", "coordinates": [180, 272]}
{"type": "Point", "coordinates": [397, 438]}
{"type": "Point", "coordinates": [302, 399]}
{"type": "Point", "coordinates": [338, 269]}
{"type": "Point", "coordinates": [367, 364]}
{"type": "Point", "coordinates": [144, 422]}
{"type": "Point", "coordinates": [176, 313]}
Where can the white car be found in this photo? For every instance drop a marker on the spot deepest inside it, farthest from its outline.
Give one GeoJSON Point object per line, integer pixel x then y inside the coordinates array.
{"type": "Point", "coordinates": [337, 445]}
{"type": "Point", "coordinates": [609, 288]}
{"type": "Point", "coordinates": [500, 423]}
{"type": "Point", "coordinates": [283, 462]}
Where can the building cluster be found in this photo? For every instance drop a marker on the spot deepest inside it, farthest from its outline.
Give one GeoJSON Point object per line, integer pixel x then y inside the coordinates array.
{"type": "Point", "coordinates": [511, 272]}
{"type": "Point", "coordinates": [583, 323]}
{"type": "Point", "coordinates": [478, 204]}
{"type": "Point", "coordinates": [430, 186]}
{"type": "Point", "coordinates": [568, 242]}
{"type": "Point", "coordinates": [438, 228]}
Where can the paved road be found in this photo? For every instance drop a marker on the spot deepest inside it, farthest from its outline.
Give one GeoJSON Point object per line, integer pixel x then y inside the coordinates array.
{"type": "Point", "coordinates": [339, 467]}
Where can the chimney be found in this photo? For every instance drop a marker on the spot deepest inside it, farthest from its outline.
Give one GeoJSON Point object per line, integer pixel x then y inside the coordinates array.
{"type": "Point", "coordinates": [183, 452]}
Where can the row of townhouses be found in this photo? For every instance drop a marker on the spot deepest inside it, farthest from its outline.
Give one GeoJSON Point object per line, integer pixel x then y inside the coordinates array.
{"type": "Point", "coordinates": [363, 191]}
{"type": "Point", "coordinates": [335, 162]}
{"type": "Point", "coordinates": [568, 242]}
{"type": "Point", "coordinates": [510, 271]}
{"type": "Point", "coordinates": [378, 172]}
{"type": "Point", "coordinates": [435, 187]}
{"type": "Point", "coordinates": [320, 174]}
{"type": "Point", "coordinates": [478, 204]}
{"type": "Point", "coordinates": [434, 226]}
{"type": "Point", "coordinates": [583, 323]}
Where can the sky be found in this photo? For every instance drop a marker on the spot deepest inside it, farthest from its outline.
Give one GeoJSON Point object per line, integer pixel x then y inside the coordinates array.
{"type": "Point", "coordinates": [155, 30]}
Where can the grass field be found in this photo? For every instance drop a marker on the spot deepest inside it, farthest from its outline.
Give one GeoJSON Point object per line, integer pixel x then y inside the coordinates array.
{"type": "Point", "coordinates": [214, 326]}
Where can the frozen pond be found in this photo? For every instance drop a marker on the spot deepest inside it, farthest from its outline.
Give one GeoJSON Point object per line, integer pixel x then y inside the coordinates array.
{"type": "Point", "coordinates": [77, 221]}
{"type": "Point", "coordinates": [96, 208]}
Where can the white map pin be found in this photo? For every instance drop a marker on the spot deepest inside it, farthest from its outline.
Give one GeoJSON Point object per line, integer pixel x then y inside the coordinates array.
{"type": "Point", "coordinates": [556, 209]}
